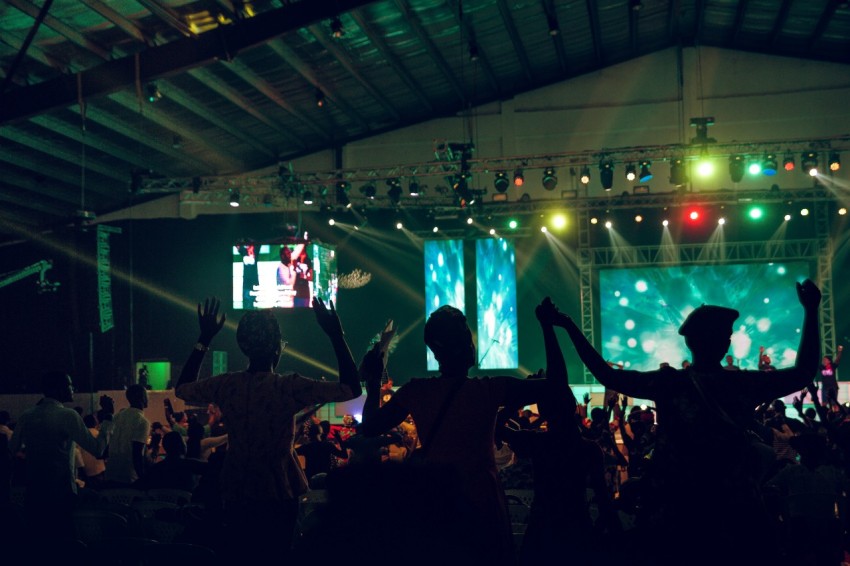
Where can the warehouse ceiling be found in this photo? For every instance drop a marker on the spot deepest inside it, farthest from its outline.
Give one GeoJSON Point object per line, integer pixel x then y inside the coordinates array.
{"type": "Point", "coordinates": [96, 93]}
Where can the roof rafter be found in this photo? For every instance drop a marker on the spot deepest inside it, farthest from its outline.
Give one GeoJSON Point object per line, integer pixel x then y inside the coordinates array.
{"type": "Point", "coordinates": [740, 14]}
{"type": "Point", "coordinates": [823, 23]}
{"type": "Point", "coordinates": [595, 29]}
{"type": "Point", "coordinates": [557, 41]}
{"type": "Point", "coordinates": [781, 18]}
{"type": "Point", "coordinates": [519, 49]}
{"type": "Point", "coordinates": [469, 31]}
{"type": "Point", "coordinates": [119, 21]}
{"type": "Point", "coordinates": [61, 28]}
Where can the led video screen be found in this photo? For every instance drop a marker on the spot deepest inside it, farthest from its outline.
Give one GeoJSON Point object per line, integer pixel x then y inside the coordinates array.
{"type": "Point", "coordinates": [495, 278]}
{"type": "Point", "coordinates": [444, 280]}
{"type": "Point", "coordinates": [642, 309]}
{"type": "Point", "coordinates": [283, 275]}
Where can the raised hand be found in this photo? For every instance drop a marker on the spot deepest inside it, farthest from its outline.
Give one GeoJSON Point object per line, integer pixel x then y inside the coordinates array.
{"type": "Point", "coordinates": [809, 294]}
{"type": "Point", "coordinates": [546, 312]}
{"type": "Point", "coordinates": [372, 366]}
{"type": "Point", "coordinates": [209, 319]}
{"type": "Point", "coordinates": [327, 317]}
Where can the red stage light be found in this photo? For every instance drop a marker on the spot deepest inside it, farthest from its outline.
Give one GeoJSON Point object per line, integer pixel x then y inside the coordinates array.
{"type": "Point", "coordinates": [693, 215]}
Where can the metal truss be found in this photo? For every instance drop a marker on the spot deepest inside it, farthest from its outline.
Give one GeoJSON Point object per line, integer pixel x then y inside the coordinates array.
{"type": "Point", "coordinates": [824, 277]}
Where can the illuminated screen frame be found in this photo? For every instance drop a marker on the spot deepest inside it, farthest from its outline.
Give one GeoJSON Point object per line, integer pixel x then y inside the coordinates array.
{"type": "Point", "coordinates": [641, 309]}
{"type": "Point", "coordinates": [444, 281]}
{"type": "Point", "coordinates": [495, 281]}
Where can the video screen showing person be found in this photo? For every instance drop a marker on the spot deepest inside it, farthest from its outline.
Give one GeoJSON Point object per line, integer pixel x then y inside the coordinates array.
{"type": "Point", "coordinates": [642, 309]}
{"type": "Point", "coordinates": [283, 275]}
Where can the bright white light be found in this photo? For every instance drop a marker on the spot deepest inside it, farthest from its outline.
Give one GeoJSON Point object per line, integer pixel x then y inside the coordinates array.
{"type": "Point", "coordinates": [804, 212]}
{"type": "Point", "coordinates": [608, 224]}
{"type": "Point", "coordinates": [780, 270]}
{"type": "Point", "coordinates": [399, 225]}
{"type": "Point", "coordinates": [543, 229]}
{"type": "Point", "coordinates": [624, 302]}
{"type": "Point", "coordinates": [469, 220]}
{"type": "Point", "coordinates": [559, 221]}
{"type": "Point", "coordinates": [616, 293]}
{"type": "Point", "coordinates": [842, 211]}
{"type": "Point", "coordinates": [492, 231]}
{"type": "Point", "coordinates": [638, 218]}
{"type": "Point", "coordinates": [787, 217]}
{"type": "Point", "coordinates": [630, 324]}
{"type": "Point", "coordinates": [594, 220]}
{"type": "Point", "coordinates": [641, 286]}
{"type": "Point", "coordinates": [631, 342]}
{"type": "Point", "coordinates": [331, 221]}
{"type": "Point", "coordinates": [665, 223]}
{"type": "Point", "coordinates": [721, 221]}
{"type": "Point", "coordinates": [435, 229]}
{"type": "Point", "coordinates": [766, 300]}
{"type": "Point", "coordinates": [705, 169]}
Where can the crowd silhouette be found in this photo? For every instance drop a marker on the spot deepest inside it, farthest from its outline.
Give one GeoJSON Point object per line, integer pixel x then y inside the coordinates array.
{"type": "Point", "coordinates": [451, 468]}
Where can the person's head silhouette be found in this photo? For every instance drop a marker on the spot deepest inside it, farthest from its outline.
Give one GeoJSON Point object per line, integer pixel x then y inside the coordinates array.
{"type": "Point", "coordinates": [57, 385]}
{"type": "Point", "coordinates": [447, 335]}
{"type": "Point", "coordinates": [258, 336]}
{"type": "Point", "coordinates": [707, 331]}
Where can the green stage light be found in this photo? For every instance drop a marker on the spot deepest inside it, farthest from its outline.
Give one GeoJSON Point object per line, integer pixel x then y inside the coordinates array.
{"type": "Point", "coordinates": [705, 168]}
{"type": "Point", "coordinates": [754, 168]}
{"type": "Point", "coordinates": [513, 224]}
{"type": "Point", "coordinates": [755, 213]}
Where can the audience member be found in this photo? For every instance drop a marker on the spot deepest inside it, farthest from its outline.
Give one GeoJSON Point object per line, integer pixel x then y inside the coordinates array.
{"type": "Point", "coordinates": [126, 461]}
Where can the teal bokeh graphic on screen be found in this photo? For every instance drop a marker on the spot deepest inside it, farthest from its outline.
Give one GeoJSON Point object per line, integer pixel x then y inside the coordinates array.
{"type": "Point", "coordinates": [642, 309]}
{"type": "Point", "coordinates": [444, 282]}
{"type": "Point", "coordinates": [495, 279]}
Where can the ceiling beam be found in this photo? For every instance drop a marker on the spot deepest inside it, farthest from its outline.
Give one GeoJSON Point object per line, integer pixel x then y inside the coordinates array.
{"type": "Point", "coordinates": [173, 57]}
{"type": "Point", "coordinates": [781, 18]}
{"type": "Point", "coordinates": [197, 107]}
{"type": "Point", "coordinates": [40, 168]}
{"type": "Point", "coordinates": [401, 72]}
{"type": "Point", "coordinates": [634, 18]}
{"type": "Point", "coordinates": [595, 30]}
{"type": "Point", "coordinates": [117, 124]}
{"type": "Point", "coordinates": [740, 13]}
{"type": "Point", "coordinates": [38, 143]}
{"type": "Point", "coordinates": [412, 19]}
{"type": "Point", "coordinates": [346, 63]}
{"type": "Point", "coordinates": [823, 23]}
{"type": "Point", "coordinates": [33, 200]}
{"type": "Point", "coordinates": [63, 29]}
{"type": "Point", "coordinates": [557, 41]}
{"type": "Point", "coordinates": [222, 155]}
{"type": "Point", "coordinates": [34, 51]}
{"type": "Point", "coordinates": [699, 21]}
{"type": "Point", "coordinates": [519, 49]}
{"type": "Point", "coordinates": [43, 184]}
{"type": "Point", "coordinates": [469, 32]}
{"type": "Point", "coordinates": [293, 60]}
{"type": "Point", "coordinates": [119, 21]}
{"type": "Point", "coordinates": [209, 79]}
{"type": "Point", "coordinates": [251, 77]}
{"type": "Point", "coordinates": [168, 16]}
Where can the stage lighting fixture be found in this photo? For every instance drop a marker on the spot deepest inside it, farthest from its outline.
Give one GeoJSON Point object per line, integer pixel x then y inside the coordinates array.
{"type": "Point", "coordinates": [606, 174]}
{"type": "Point", "coordinates": [473, 51]}
{"type": "Point", "coordinates": [368, 191]}
{"type": "Point", "coordinates": [645, 171]}
{"type": "Point", "coordinates": [331, 222]}
{"type": "Point", "coordinates": [501, 183]}
{"type": "Point", "coordinates": [678, 175]}
{"type": "Point", "coordinates": [234, 199]}
{"type": "Point", "coordinates": [342, 188]}
{"type": "Point", "coordinates": [804, 212]}
{"type": "Point", "coordinates": [554, 29]}
{"type": "Point", "coordinates": [665, 223]}
{"type": "Point", "coordinates": [492, 231]}
{"type": "Point", "coordinates": [755, 213]}
{"type": "Point", "coordinates": [638, 218]}
{"type": "Point", "coordinates": [585, 175]}
{"type": "Point", "coordinates": [559, 221]}
{"type": "Point", "coordinates": [519, 178]}
{"type": "Point", "coordinates": [435, 229]}
{"type": "Point", "coordinates": [394, 192]}
{"type": "Point", "coordinates": [736, 168]}
{"type": "Point", "coordinates": [152, 92]}
{"type": "Point", "coordinates": [469, 220]}
{"type": "Point", "coordinates": [769, 165]}
{"type": "Point", "coordinates": [810, 163]}
{"type": "Point", "coordinates": [608, 224]}
{"type": "Point", "coordinates": [631, 172]}
{"type": "Point", "coordinates": [594, 220]}
{"type": "Point", "coordinates": [399, 225]}
{"type": "Point", "coordinates": [413, 188]}
{"type": "Point", "coordinates": [513, 224]}
{"type": "Point", "coordinates": [721, 221]}
{"type": "Point", "coordinates": [788, 163]}
{"type": "Point", "coordinates": [337, 31]}
{"type": "Point", "coordinates": [543, 229]}
{"type": "Point", "coordinates": [705, 167]}
{"type": "Point", "coordinates": [754, 168]}
{"type": "Point", "coordinates": [834, 162]}
{"type": "Point", "coordinates": [308, 197]}
{"type": "Point", "coordinates": [842, 211]}
{"type": "Point", "coordinates": [550, 181]}
{"type": "Point", "coordinates": [693, 215]}
{"type": "Point", "coordinates": [787, 217]}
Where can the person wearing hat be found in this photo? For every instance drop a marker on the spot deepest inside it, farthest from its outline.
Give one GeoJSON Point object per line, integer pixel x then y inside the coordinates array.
{"type": "Point", "coordinates": [703, 475]}
{"type": "Point", "coordinates": [261, 479]}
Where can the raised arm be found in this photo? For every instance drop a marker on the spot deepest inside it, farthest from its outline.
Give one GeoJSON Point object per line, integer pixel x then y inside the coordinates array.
{"type": "Point", "coordinates": [210, 323]}
{"type": "Point", "coordinates": [330, 323]}
{"type": "Point", "coordinates": [631, 383]}
{"type": "Point", "coordinates": [559, 403]}
{"type": "Point", "coordinates": [378, 419]}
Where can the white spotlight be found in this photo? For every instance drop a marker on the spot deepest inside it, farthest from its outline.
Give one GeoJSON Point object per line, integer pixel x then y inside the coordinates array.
{"type": "Point", "coordinates": [787, 217]}
{"type": "Point", "coordinates": [608, 224]}
{"type": "Point", "coordinates": [399, 226]}
{"type": "Point", "coordinates": [435, 229]}
{"type": "Point", "coordinates": [721, 221]}
{"type": "Point", "coordinates": [492, 231]}
{"type": "Point", "coordinates": [331, 221]}
{"type": "Point", "coordinates": [804, 212]}
{"type": "Point", "coordinates": [543, 229]}
{"type": "Point", "coordinates": [469, 220]}
{"type": "Point", "coordinates": [665, 223]}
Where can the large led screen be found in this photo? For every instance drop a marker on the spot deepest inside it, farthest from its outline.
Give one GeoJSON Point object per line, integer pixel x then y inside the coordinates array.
{"type": "Point", "coordinates": [495, 279]}
{"type": "Point", "coordinates": [444, 281]}
{"type": "Point", "coordinates": [642, 309]}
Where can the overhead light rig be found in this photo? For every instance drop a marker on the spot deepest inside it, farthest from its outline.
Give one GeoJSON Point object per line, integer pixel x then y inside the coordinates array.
{"type": "Point", "coordinates": [432, 178]}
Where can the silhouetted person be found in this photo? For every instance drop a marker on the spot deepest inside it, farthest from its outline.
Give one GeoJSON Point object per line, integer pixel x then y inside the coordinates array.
{"type": "Point", "coordinates": [261, 479]}
{"type": "Point", "coordinates": [828, 377]}
{"type": "Point", "coordinates": [47, 434]}
{"type": "Point", "coordinates": [319, 452]}
{"type": "Point", "coordinates": [466, 410]}
{"type": "Point", "coordinates": [176, 471]}
{"type": "Point", "coordinates": [131, 430]}
{"type": "Point", "coordinates": [703, 476]}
